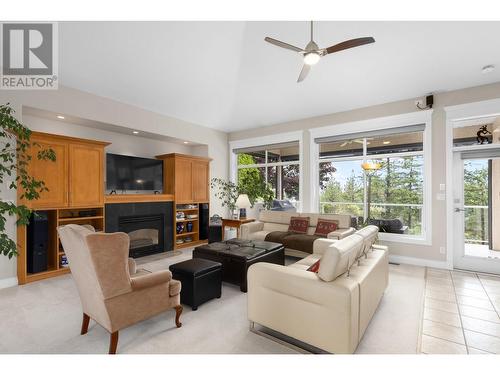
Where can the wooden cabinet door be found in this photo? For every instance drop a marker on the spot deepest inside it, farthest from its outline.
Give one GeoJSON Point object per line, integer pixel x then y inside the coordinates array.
{"type": "Point", "coordinates": [200, 181]}
{"type": "Point", "coordinates": [53, 173]}
{"type": "Point", "coordinates": [183, 181]}
{"type": "Point", "coordinates": [86, 178]}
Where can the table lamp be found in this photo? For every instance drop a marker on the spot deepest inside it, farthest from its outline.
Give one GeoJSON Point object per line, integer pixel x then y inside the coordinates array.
{"type": "Point", "coordinates": [243, 203]}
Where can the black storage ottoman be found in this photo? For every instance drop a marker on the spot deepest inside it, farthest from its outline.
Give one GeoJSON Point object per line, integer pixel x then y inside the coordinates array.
{"type": "Point", "coordinates": [237, 255]}
{"type": "Point", "coordinates": [201, 280]}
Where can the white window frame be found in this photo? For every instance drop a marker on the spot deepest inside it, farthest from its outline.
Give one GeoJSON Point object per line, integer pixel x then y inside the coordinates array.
{"type": "Point", "coordinates": [264, 141]}
{"type": "Point", "coordinates": [363, 126]}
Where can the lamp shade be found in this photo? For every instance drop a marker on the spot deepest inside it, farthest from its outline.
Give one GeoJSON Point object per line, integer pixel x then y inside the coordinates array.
{"type": "Point", "coordinates": [243, 201]}
{"type": "Point", "coordinates": [370, 166]}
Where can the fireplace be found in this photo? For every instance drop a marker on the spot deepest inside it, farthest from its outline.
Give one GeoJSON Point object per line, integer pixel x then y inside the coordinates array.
{"type": "Point", "coordinates": [149, 225]}
{"type": "Point", "coordinates": [145, 233]}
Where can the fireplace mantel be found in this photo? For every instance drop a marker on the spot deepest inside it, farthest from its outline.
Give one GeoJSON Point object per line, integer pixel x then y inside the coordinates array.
{"type": "Point", "coordinates": [135, 198]}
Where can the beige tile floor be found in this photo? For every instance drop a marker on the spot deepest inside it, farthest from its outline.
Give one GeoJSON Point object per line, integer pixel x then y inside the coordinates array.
{"type": "Point", "coordinates": [461, 313]}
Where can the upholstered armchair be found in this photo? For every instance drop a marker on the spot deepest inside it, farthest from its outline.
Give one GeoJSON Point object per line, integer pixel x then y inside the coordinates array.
{"type": "Point", "coordinates": [113, 293]}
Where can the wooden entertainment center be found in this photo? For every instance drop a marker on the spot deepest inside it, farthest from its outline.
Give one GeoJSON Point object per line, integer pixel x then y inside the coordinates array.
{"type": "Point", "coordinates": [76, 193]}
{"type": "Point", "coordinates": [187, 179]}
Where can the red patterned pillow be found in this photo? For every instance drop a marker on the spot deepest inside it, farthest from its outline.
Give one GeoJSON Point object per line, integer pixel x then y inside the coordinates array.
{"type": "Point", "coordinates": [314, 267]}
{"type": "Point", "coordinates": [325, 226]}
{"type": "Point", "coordinates": [298, 224]}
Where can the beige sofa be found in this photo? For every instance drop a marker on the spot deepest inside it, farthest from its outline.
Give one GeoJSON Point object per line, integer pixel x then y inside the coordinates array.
{"type": "Point", "coordinates": [331, 309]}
{"type": "Point", "coordinates": [270, 221]}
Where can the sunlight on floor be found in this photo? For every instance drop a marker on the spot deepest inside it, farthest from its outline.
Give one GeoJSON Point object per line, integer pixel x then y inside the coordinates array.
{"type": "Point", "coordinates": [481, 251]}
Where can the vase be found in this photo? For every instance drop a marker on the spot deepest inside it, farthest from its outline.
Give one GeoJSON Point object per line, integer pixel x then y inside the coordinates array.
{"type": "Point", "coordinates": [179, 228]}
{"type": "Point", "coordinates": [189, 226]}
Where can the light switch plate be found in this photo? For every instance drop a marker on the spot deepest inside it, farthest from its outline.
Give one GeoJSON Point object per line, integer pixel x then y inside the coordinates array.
{"type": "Point", "coordinates": [442, 187]}
{"type": "Point", "coordinates": [441, 197]}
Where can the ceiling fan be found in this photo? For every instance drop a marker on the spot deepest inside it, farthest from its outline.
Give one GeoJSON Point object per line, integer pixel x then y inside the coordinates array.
{"type": "Point", "coordinates": [312, 53]}
{"type": "Point", "coordinates": [360, 141]}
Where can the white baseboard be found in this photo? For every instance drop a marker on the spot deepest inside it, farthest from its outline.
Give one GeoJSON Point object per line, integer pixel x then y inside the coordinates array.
{"type": "Point", "coordinates": [418, 261]}
{"type": "Point", "coordinates": [8, 282]}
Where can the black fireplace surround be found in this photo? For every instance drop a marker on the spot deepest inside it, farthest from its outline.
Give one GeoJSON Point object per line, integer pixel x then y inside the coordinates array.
{"type": "Point", "coordinates": [149, 225]}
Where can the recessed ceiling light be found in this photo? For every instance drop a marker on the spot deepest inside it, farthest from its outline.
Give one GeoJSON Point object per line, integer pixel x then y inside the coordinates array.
{"type": "Point", "coordinates": [60, 117]}
{"type": "Point", "coordinates": [135, 132]}
{"type": "Point", "coordinates": [488, 69]}
{"type": "Point", "coordinates": [185, 142]}
{"type": "Point", "coordinates": [386, 142]}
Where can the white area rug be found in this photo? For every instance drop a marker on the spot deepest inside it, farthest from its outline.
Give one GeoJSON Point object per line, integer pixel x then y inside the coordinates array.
{"type": "Point", "coordinates": [45, 317]}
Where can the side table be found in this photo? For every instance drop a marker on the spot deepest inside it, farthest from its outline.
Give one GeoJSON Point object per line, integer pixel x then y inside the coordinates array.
{"type": "Point", "coordinates": [233, 223]}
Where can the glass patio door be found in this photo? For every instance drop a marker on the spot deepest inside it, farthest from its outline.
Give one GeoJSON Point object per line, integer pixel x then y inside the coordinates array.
{"type": "Point", "coordinates": [477, 211]}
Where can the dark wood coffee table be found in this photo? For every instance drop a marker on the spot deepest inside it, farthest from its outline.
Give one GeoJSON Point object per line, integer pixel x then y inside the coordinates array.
{"type": "Point", "coordinates": [237, 255]}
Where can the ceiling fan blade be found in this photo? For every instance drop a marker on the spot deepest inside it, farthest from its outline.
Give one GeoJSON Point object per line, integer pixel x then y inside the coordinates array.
{"type": "Point", "coordinates": [349, 44]}
{"type": "Point", "coordinates": [304, 72]}
{"type": "Point", "coordinates": [282, 44]}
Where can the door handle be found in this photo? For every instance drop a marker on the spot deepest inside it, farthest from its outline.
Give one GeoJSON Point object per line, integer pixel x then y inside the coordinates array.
{"type": "Point", "coordinates": [459, 209]}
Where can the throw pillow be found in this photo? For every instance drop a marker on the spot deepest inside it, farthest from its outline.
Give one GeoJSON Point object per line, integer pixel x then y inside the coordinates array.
{"type": "Point", "coordinates": [325, 226]}
{"type": "Point", "coordinates": [314, 267]}
{"type": "Point", "coordinates": [298, 224]}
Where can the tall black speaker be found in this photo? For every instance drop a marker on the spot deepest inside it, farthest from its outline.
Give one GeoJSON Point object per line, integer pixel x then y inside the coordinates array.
{"type": "Point", "coordinates": [38, 238]}
{"type": "Point", "coordinates": [204, 211]}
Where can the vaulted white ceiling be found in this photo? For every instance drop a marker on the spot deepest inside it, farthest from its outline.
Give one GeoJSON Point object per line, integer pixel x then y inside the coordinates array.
{"type": "Point", "coordinates": [224, 76]}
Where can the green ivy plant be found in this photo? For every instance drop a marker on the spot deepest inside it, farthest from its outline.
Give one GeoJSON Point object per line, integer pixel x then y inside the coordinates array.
{"type": "Point", "coordinates": [15, 156]}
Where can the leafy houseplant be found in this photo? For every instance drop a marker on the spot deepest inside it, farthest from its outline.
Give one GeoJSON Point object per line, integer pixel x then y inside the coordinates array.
{"type": "Point", "coordinates": [15, 145]}
{"type": "Point", "coordinates": [228, 191]}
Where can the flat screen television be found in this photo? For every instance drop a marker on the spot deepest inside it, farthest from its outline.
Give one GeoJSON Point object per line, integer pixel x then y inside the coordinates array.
{"type": "Point", "coordinates": [133, 173]}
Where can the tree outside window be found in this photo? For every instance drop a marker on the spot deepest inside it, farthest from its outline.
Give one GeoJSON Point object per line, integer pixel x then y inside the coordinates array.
{"type": "Point", "coordinates": [396, 188]}
{"type": "Point", "coordinates": [273, 172]}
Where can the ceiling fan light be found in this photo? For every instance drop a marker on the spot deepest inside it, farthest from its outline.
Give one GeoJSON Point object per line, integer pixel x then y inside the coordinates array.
{"type": "Point", "coordinates": [311, 58]}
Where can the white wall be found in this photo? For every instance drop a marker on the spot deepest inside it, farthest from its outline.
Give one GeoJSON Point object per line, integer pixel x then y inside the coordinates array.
{"type": "Point", "coordinates": [120, 143]}
{"type": "Point", "coordinates": [79, 104]}
{"type": "Point", "coordinates": [430, 253]}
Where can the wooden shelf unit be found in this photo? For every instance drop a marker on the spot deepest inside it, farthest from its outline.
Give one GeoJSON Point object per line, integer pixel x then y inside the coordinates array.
{"type": "Point", "coordinates": [56, 217]}
{"type": "Point", "coordinates": [194, 233]}
{"type": "Point", "coordinates": [75, 182]}
{"type": "Point", "coordinates": [187, 178]}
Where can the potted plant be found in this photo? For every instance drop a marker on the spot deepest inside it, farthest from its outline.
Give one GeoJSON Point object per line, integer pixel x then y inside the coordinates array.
{"type": "Point", "coordinates": [15, 156]}
{"type": "Point", "coordinates": [227, 192]}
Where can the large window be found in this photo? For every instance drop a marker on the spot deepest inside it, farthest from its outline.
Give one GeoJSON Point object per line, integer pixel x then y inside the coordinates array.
{"type": "Point", "coordinates": [275, 167]}
{"type": "Point", "coordinates": [377, 177]}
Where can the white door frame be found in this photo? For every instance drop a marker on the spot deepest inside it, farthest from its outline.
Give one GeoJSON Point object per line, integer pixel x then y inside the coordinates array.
{"type": "Point", "coordinates": [461, 260]}
{"type": "Point", "coordinates": [455, 113]}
